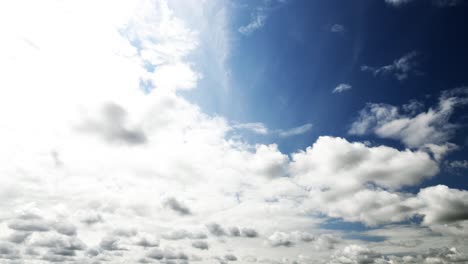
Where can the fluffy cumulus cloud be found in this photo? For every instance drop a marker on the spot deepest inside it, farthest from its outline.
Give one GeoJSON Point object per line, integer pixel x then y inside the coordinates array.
{"type": "Point", "coordinates": [359, 254]}
{"type": "Point", "coordinates": [104, 161]}
{"type": "Point", "coordinates": [412, 126]}
{"type": "Point", "coordinates": [338, 164]}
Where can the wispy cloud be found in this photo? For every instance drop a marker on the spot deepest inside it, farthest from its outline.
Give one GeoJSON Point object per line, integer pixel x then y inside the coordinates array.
{"type": "Point", "coordinates": [400, 68]}
{"type": "Point", "coordinates": [295, 130]}
{"type": "Point", "coordinates": [439, 3]}
{"type": "Point", "coordinates": [397, 2]}
{"type": "Point", "coordinates": [342, 87]}
{"type": "Point", "coordinates": [337, 28]}
{"type": "Point", "coordinates": [258, 21]}
{"type": "Point", "coordinates": [257, 127]}
{"type": "Point", "coordinates": [262, 129]}
{"type": "Point", "coordinates": [260, 15]}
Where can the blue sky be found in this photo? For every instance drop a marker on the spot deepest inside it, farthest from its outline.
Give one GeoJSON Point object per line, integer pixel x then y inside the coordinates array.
{"type": "Point", "coordinates": [284, 71]}
{"type": "Point", "coordinates": [282, 74]}
{"type": "Point", "coordinates": [266, 131]}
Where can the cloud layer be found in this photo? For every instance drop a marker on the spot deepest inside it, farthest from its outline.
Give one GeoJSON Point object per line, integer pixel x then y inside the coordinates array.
{"type": "Point", "coordinates": [104, 161]}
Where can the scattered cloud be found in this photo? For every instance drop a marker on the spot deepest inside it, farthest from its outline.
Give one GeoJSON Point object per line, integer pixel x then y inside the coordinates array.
{"type": "Point", "coordinates": [258, 128]}
{"type": "Point", "coordinates": [177, 206]}
{"type": "Point", "coordinates": [397, 2]}
{"type": "Point", "coordinates": [203, 245]}
{"type": "Point", "coordinates": [337, 28]}
{"type": "Point", "coordinates": [147, 241]}
{"type": "Point", "coordinates": [112, 127]}
{"type": "Point", "coordinates": [414, 128]}
{"type": "Point", "coordinates": [342, 88]}
{"type": "Point", "coordinates": [258, 19]}
{"type": "Point", "coordinates": [295, 130]}
{"type": "Point", "coordinates": [103, 172]}
{"type": "Point", "coordinates": [401, 68]}
{"type": "Point", "coordinates": [260, 15]}
{"type": "Point", "coordinates": [439, 3]}
{"type": "Point", "coordinates": [261, 129]}
{"type": "Point", "coordinates": [458, 164]}
{"type": "Point", "coordinates": [363, 254]}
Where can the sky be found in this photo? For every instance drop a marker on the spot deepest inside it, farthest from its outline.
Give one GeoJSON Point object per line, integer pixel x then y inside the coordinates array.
{"type": "Point", "coordinates": [233, 131]}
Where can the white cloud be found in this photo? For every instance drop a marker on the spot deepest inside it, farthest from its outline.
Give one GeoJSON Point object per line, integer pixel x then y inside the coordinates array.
{"type": "Point", "coordinates": [400, 68]}
{"type": "Point", "coordinates": [258, 21]}
{"type": "Point", "coordinates": [342, 87]}
{"type": "Point", "coordinates": [397, 2]}
{"type": "Point", "coordinates": [258, 128]}
{"type": "Point", "coordinates": [260, 15]}
{"type": "Point", "coordinates": [295, 130]}
{"type": "Point", "coordinates": [413, 129]}
{"type": "Point", "coordinates": [90, 161]}
{"type": "Point", "coordinates": [459, 164]}
{"type": "Point", "coordinates": [357, 254]}
{"type": "Point", "coordinates": [335, 162]}
{"type": "Point", "coordinates": [443, 205]}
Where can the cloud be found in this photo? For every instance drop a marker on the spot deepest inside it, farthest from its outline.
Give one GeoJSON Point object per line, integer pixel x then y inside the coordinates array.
{"type": "Point", "coordinates": [400, 68]}
{"type": "Point", "coordinates": [258, 128]}
{"type": "Point", "coordinates": [337, 28]}
{"type": "Point", "coordinates": [30, 225]}
{"type": "Point", "coordinates": [362, 254]}
{"type": "Point", "coordinates": [92, 219]}
{"type": "Point", "coordinates": [257, 21]}
{"type": "Point", "coordinates": [443, 205]}
{"type": "Point", "coordinates": [177, 206]}
{"type": "Point", "coordinates": [261, 129]}
{"type": "Point", "coordinates": [342, 87]}
{"type": "Point", "coordinates": [284, 239]}
{"type": "Point", "coordinates": [9, 251]}
{"type": "Point", "coordinates": [57, 247]}
{"type": "Point", "coordinates": [296, 130]}
{"type": "Point", "coordinates": [89, 156]}
{"type": "Point", "coordinates": [230, 257]}
{"type": "Point", "coordinates": [166, 254]}
{"type": "Point", "coordinates": [413, 129]}
{"type": "Point", "coordinates": [234, 231]}
{"type": "Point", "coordinates": [335, 162]}
{"type": "Point", "coordinates": [249, 232]}
{"type": "Point", "coordinates": [125, 232]}
{"type": "Point", "coordinates": [19, 237]}
{"type": "Point", "coordinates": [113, 128]}
{"type": "Point", "coordinates": [260, 15]}
{"type": "Point", "coordinates": [183, 234]}
{"type": "Point", "coordinates": [203, 245]}
{"type": "Point", "coordinates": [458, 164]}
{"type": "Point", "coordinates": [397, 2]}
{"type": "Point", "coordinates": [65, 228]}
{"type": "Point", "coordinates": [147, 241]}
{"type": "Point", "coordinates": [216, 230]}
{"type": "Point", "coordinates": [439, 3]}
{"type": "Point", "coordinates": [111, 243]}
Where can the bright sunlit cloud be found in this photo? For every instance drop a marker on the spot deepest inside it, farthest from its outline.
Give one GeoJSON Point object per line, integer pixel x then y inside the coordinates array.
{"type": "Point", "coordinates": [104, 159]}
